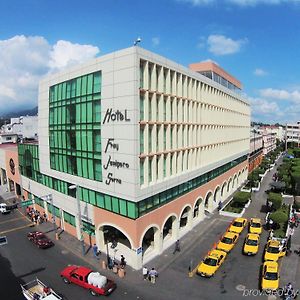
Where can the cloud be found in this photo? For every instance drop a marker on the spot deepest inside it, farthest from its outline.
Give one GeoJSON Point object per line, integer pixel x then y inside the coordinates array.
{"type": "Point", "coordinates": [210, 60]}
{"type": "Point", "coordinates": [197, 2]}
{"type": "Point", "coordinates": [155, 41]}
{"type": "Point", "coordinates": [242, 3]}
{"type": "Point", "coordinates": [222, 45]}
{"type": "Point", "coordinates": [254, 2]}
{"type": "Point", "coordinates": [260, 72]}
{"type": "Point", "coordinates": [293, 96]}
{"type": "Point", "coordinates": [25, 59]}
{"type": "Point", "coordinates": [65, 54]}
{"type": "Point", "coordinates": [263, 106]}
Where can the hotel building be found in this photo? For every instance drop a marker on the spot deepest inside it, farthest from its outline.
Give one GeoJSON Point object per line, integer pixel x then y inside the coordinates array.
{"type": "Point", "coordinates": [148, 146]}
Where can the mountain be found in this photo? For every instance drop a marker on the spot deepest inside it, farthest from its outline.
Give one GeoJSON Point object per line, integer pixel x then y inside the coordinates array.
{"type": "Point", "coordinates": [15, 114]}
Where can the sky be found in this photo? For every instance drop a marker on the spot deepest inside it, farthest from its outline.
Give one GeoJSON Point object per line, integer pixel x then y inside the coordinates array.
{"type": "Point", "coordinates": [256, 41]}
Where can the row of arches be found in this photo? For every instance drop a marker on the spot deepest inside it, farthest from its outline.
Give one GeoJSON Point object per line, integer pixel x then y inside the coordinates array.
{"type": "Point", "coordinates": [155, 238]}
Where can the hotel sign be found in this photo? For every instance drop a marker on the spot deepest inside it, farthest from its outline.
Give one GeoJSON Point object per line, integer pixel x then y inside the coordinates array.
{"type": "Point", "coordinates": [115, 115]}
{"type": "Point", "coordinates": [111, 144]}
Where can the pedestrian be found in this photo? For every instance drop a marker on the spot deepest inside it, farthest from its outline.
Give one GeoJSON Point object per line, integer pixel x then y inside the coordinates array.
{"type": "Point", "coordinates": [145, 272]}
{"type": "Point", "coordinates": [152, 275]}
{"type": "Point", "coordinates": [95, 251]}
{"type": "Point", "coordinates": [220, 205]}
{"type": "Point", "coordinates": [177, 247]}
{"type": "Point", "coordinates": [270, 223]}
{"type": "Point", "coordinates": [123, 262]}
{"type": "Point", "coordinates": [289, 243]}
{"type": "Point", "coordinates": [271, 234]}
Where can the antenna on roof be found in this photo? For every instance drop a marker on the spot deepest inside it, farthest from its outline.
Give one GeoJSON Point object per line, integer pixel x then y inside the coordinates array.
{"type": "Point", "coordinates": [138, 40]}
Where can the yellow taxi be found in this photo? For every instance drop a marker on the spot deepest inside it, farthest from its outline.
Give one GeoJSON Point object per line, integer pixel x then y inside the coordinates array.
{"type": "Point", "coordinates": [273, 250]}
{"type": "Point", "coordinates": [270, 276]}
{"type": "Point", "coordinates": [255, 226]}
{"type": "Point", "coordinates": [227, 241]}
{"type": "Point", "coordinates": [238, 225]}
{"type": "Point", "coordinates": [211, 263]}
{"type": "Point", "coordinates": [251, 244]}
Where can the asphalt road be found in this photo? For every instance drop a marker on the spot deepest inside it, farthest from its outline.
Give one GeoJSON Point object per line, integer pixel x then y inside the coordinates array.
{"type": "Point", "coordinates": [21, 261]}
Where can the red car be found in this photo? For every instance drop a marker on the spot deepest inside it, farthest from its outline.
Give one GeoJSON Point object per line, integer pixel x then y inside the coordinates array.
{"type": "Point", "coordinates": [88, 279]}
{"type": "Point", "coordinates": [40, 239]}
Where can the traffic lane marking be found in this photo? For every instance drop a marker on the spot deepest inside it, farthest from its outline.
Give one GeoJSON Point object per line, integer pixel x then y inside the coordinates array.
{"type": "Point", "coordinates": [11, 220]}
{"type": "Point", "coordinates": [17, 228]}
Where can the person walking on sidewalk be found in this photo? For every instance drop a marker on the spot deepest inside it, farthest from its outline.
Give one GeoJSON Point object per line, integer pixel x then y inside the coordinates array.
{"type": "Point", "coordinates": [145, 272]}
{"type": "Point", "coordinates": [177, 247]}
{"type": "Point", "coordinates": [152, 275]}
{"type": "Point", "coordinates": [95, 251]}
{"type": "Point", "coordinates": [123, 262]}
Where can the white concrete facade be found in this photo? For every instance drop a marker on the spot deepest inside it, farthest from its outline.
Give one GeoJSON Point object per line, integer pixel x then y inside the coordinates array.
{"type": "Point", "coordinates": [217, 122]}
{"type": "Point", "coordinates": [293, 133]}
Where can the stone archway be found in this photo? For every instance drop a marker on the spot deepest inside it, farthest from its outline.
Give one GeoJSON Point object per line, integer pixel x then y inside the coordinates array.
{"type": "Point", "coordinates": [239, 179]}
{"type": "Point", "coordinates": [198, 212]}
{"type": "Point", "coordinates": [114, 241]}
{"type": "Point", "coordinates": [185, 220]}
{"type": "Point", "coordinates": [217, 195]}
{"type": "Point", "coordinates": [224, 191]}
{"type": "Point", "coordinates": [229, 185]}
{"type": "Point", "coordinates": [208, 203]}
{"type": "Point", "coordinates": [234, 182]}
{"type": "Point", "coordinates": [151, 241]}
{"type": "Point", "coordinates": [169, 228]}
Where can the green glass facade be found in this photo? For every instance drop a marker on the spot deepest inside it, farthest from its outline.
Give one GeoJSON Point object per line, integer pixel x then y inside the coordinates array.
{"type": "Point", "coordinates": [117, 205]}
{"type": "Point", "coordinates": [75, 126]}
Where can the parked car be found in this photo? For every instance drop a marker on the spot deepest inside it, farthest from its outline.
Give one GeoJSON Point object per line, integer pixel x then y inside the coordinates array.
{"type": "Point", "coordinates": [228, 241]}
{"type": "Point", "coordinates": [211, 263]}
{"type": "Point", "coordinates": [270, 276]}
{"type": "Point", "coordinates": [255, 226]}
{"type": "Point", "coordinates": [238, 225]}
{"type": "Point", "coordinates": [40, 239]}
{"type": "Point", "coordinates": [273, 250]}
{"type": "Point", "coordinates": [96, 283]}
{"type": "Point", "coordinates": [251, 244]}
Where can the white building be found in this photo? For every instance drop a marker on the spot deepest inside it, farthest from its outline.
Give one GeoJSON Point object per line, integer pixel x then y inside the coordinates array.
{"type": "Point", "coordinates": [25, 127]}
{"type": "Point", "coordinates": [149, 144]}
{"type": "Point", "coordinates": [293, 133]}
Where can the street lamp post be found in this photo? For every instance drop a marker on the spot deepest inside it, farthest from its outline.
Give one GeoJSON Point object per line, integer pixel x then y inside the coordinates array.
{"type": "Point", "coordinates": [49, 199]}
{"type": "Point", "coordinates": [72, 187]}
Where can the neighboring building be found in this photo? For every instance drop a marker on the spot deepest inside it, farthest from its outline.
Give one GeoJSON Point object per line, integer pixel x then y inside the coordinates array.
{"type": "Point", "coordinates": [24, 127]}
{"type": "Point", "coordinates": [148, 144]}
{"type": "Point", "coordinates": [269, 141]}
{"type": "Point", "coordinates": [293, 133]}
{"type": "Point", "coordinates": [256, 150]}
{"type": "Point", "coordinates": [9, 168]}
{"type": "Point", "coordinates": [278, 131]}
{"type": "Point", "coordinates": [8, 138]}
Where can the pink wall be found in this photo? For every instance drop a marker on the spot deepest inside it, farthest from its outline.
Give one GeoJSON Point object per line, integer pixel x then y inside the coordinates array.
{"type": "Point", "coordinates": [135, 228]}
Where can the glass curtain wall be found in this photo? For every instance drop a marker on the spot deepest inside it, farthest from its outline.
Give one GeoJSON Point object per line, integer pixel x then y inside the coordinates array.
{"type": "Point", "coordinates": [75, 126]}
